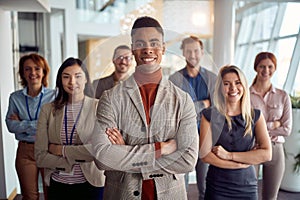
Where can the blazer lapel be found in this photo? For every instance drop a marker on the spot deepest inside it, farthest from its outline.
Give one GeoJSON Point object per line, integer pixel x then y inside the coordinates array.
{"type": "Point", "coordinates": [58, 124]}
{"type": "Point", "coordinates": [87, 119]}
{"type": "Point", "coordinates": [161, 96]}
{"type": "Point", "coordinates": [135, 96]}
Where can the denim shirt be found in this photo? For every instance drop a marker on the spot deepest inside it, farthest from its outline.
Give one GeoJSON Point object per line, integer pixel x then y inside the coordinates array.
{"type": "Point", "coordinates": [199, 88]}
{"type": "Point", "coordinates": [25, 129]}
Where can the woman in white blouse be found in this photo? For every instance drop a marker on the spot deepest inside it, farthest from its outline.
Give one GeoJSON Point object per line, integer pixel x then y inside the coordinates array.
{"type": "Point", "coordinates": [275, 105]}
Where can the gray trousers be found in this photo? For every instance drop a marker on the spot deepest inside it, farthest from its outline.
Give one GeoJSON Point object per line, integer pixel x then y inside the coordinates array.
{"type": "Point", "coordinates": [201, 170]}
{"type": "Point", "coordinates": [272, 172]}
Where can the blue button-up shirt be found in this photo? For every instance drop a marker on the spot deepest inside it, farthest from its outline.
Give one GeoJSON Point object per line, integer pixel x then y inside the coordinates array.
{"type": "Point", "coordinates": [25, 129]}
{"type": "Point", "coordinates": [199, 88]}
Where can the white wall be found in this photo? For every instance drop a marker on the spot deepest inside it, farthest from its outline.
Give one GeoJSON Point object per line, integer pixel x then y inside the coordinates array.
{"type": "Point", "coordinates": [65, 27]}
{"type": "Point", "coordinates": [7, 141]}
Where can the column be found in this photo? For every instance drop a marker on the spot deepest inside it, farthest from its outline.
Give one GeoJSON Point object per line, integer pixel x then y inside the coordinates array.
{"type": "Point", "coordinates": [223, 39]}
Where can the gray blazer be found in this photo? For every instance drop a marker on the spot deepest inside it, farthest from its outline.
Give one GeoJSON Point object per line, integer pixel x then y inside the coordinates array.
{"type": "Point", "coordinates": [100, 85]}
{"type": "Point", "coordinates": [48, 131]}
{"type": "Point", "coordinates": [209, 78]}
{"type": "Point", "coordinates": [173, 116]}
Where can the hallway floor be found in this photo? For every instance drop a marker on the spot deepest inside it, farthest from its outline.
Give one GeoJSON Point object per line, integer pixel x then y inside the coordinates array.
{"type": "Point", "coordinates": [283, 195]}
{"type": "Point", "coordinates": [193, 194]}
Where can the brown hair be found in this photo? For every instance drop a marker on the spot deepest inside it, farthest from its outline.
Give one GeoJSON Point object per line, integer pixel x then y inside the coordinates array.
{"type": "Point", "coordinates": [191, 39]}
{"type": "Point", "coordinates": [38, 60]}
{"type": "Point", "coordinates": [261, 56]}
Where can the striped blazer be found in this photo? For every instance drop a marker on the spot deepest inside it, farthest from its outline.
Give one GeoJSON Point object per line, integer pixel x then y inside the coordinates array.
{"type": "Point", "coordinates": [173, 116]}
{"type": "Point", "coordinates": [48, 131]}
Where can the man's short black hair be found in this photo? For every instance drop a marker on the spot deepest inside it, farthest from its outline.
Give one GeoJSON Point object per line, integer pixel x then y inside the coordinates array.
{"type": "Point", "coordinates": [144, 22]}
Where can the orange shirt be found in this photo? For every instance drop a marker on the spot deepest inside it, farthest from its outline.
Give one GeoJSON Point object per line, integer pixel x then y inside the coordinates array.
{"type": "Point", "coordinates": [148, 85]}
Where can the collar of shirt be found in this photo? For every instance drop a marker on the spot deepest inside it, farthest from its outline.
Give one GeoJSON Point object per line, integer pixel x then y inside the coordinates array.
{"type": "Point", "coordinates": [185, 73]}
{"type": "Point", "coordinates": [25, 89]}
{"type": "Point", "coordinates": [253, 91]}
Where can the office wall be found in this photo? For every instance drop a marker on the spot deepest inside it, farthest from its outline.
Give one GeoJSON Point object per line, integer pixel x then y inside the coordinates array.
{"type": "Point", "coordinates": [8, 180]}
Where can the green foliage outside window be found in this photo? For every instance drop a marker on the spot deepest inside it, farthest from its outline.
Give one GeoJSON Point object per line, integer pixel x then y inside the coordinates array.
{"type": "Point", "coordinates": [296, 105]}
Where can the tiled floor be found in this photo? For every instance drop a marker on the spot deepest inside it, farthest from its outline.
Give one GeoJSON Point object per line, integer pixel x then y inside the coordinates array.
{"type": "Point", "coordinates": [193, 194]}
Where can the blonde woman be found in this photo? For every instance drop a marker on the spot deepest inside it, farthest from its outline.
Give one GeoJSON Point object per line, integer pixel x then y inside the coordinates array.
{"type": "Point", "coordinates": [227, 134]}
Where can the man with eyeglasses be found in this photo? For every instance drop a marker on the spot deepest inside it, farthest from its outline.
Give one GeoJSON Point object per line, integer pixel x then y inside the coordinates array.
{"type": "Point", "coordinates": [146, 132]}
{"type": "Point", "coordinates": [122, 60]}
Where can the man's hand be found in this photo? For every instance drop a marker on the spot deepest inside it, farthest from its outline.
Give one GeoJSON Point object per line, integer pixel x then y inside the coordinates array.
{"type": "Point", "coordinates": [206, 103]}
{"type": "Point", "coordinates": [168, 147]}
{"type": "Point", "coordinates": [115, 136]}
{"type": "Point", "coordinates": [55, 149]}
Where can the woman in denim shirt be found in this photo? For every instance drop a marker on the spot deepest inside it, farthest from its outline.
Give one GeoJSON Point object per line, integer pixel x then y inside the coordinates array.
{"type": "Point", "coordinates": [21, 119]}
{"type": "Point", "coordinates": [276, 107]}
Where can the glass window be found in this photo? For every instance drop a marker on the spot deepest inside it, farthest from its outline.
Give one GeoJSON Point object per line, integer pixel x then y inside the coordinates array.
{"type": "Point", "coordinates": [246, 29]}
{"type": "Point", "coordinates": [291, 20]}
{"type": "Point", "coordinates": [245, 58]}
{"type": "Point", "coordinates": [239, 55]}
{"type": "Point", "coordinates": [262, 46]}
{"type": "Point", "coordinates": [283, 52]}
{"type": "Point", "coordinates": [264, 23]}
{"type": "Point", "coordinates": [296, 88]}
{"type": "Point", "coordinates": [245, 62]}
{"type": "Point", "coordinates": [255, 35]}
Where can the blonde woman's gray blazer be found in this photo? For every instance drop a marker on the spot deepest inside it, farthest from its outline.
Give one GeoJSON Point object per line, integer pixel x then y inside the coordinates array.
{"type": "Point", "coordinates": [49, 131]}
{"type": "Point", "coordinates": [173, 116]}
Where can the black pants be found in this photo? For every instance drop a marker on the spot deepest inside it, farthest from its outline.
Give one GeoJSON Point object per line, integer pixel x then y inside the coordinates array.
{"type": "Point", "coordinates": [81, 191]}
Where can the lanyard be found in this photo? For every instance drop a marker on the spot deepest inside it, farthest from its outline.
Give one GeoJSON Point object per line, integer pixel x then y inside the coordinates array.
{"type": "Point", "coordinates": [74, 126]}
{"type": "Point", "coordinates": [37, 110]}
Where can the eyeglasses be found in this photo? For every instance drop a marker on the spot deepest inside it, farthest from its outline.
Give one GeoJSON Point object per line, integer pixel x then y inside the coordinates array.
{"type": "Point", "coordinates": [126, 58]}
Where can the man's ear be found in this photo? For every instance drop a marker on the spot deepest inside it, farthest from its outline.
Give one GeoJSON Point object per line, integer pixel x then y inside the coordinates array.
{"type": "Point", "coordinates": [163, 48]}
{"type": "Point", "coordinates": [202, 51]}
